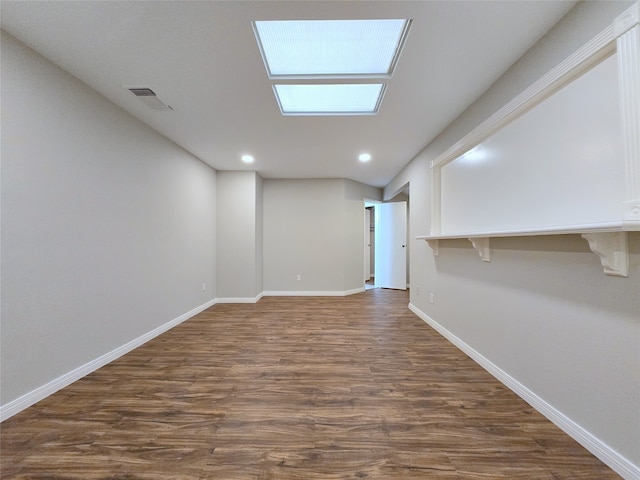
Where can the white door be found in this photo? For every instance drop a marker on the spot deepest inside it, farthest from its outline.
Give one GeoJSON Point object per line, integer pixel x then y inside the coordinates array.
{"type": "Point", "coordinates": [391, 245]}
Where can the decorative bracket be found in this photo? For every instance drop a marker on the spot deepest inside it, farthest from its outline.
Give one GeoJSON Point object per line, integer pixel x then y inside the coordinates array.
{"type": "Point", "coordinates": [481, 244]}
{"type": "Point", "coordinates": [610, 245]}
{"type": "Point", "coordinates": [435, 246]}
{"type": "Point", "coordinates": [612, 248]}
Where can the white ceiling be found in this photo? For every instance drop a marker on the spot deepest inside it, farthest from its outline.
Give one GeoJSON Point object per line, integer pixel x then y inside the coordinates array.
{"type": "Point", "coordinates": [201, 58]}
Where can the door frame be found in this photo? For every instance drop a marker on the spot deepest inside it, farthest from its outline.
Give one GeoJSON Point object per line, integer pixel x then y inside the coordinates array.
{"type": "Point", "coordinates": [367, 202]}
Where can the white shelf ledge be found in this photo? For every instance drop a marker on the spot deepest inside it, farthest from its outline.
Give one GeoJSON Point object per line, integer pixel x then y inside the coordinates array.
{"type": "Point", "coordinates": [607, 240]}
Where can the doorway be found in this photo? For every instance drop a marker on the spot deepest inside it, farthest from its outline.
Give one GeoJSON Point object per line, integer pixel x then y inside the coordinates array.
{"type": "Point", "coordinates": [391, 245]}
{"type": "Point", "coordinates": [369, 246]}
{"type": "Point", "coordinates": [385, 244]}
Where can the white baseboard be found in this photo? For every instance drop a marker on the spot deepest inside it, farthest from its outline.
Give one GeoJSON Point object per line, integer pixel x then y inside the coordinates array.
{"type": "Point", "coordinates": [296, 293]}
{"type": "Point", "coordinates": [40, 393]}
{"type": "Point", "coordinates": [330, 293]}
{"type": "Point", "coordinates": [240, 299]}
{"type": "Point", "coordinates": [597, 447]}
{"type": "Point", "coordinates": [353, 291]}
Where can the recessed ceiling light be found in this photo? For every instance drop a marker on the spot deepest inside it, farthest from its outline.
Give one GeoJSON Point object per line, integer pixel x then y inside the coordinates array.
{"type": "Point", "coordinates": [329, 99]}
{"type": "Point", "coordinates": [331, 47]}
{"type": "Point", "coordinates": [364, 157]}
{"type": "Point", "coordinates": [247, 158]}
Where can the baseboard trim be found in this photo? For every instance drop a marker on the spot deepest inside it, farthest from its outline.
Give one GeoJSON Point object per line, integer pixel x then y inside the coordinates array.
{"type": "Point", "coordinates": [240, 299]}
{"type": "Point", "coordinates": [330, 293]}
{"type": "Point", "coordinates": [15, 406]}
{"type": "Point", "coordinates": [597, 447]}
{"type": "Point", "coordinates": [354, 291]}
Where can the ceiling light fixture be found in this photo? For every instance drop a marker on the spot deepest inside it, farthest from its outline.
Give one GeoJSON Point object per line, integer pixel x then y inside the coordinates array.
{"type": "Point", "coordinates": [247, 158]}
{"type": "Point", "coordinates": [364, 157]}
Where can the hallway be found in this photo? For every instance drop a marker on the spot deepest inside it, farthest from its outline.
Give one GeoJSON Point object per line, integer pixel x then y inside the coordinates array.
{"type": "Point", "coordinates": [293, 388]}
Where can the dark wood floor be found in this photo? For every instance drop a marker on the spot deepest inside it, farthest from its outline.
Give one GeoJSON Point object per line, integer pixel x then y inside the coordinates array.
{"type": "Point", "coordinates": [292, 388]}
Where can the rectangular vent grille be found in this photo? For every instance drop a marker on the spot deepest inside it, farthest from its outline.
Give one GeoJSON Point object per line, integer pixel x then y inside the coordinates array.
{"type": "Point", "coordinates": [142, 92]}
{"type": "Point", "coordinates": [148, 97]}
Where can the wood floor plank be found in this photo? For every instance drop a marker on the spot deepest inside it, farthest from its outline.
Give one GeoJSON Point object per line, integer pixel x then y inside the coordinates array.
{"type": "Point", "coordinates": [292, 388]}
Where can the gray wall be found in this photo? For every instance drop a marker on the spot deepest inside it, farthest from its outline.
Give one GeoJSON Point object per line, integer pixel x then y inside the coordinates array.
{"type": "Point", "coordinates": [108, 229]}
{"type": "Point", "coordinates": [239, 242]}
{"type": "Point", "coordinates": [314, 228]}
{"type": "Point", "coordinates": [353, 263]}
{"type": "Point", "coordinates": [543, 310]}
{"type": "Point", "coordinates": [259, 260]}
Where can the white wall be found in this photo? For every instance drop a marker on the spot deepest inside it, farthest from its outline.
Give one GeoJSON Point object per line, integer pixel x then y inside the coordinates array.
{"type": "Point", "coordinates": [108, 229]}
{"type": "Point", "coordinates": [313, 228]}
{"type": "Point", "coordinates": [239, 242]}
{"type": "Point", "coordinates": [542, 310]}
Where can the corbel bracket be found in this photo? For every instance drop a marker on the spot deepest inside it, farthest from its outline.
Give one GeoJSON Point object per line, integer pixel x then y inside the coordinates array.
{"type": "Point", "coordinates": [481, 244]}
{"type": "Point", "coordinates": [435, 246]}
{"type": "Point", "coordinates": [612, 248]}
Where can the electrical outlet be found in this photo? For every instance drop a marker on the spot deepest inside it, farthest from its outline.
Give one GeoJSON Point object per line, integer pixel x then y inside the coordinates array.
{"type": "Point", "coordinates": [418, 291]}
{"type": "Point", "coordinates": [204, 287]}
{"type": "Point", "coordinates": [431, 298]}
{"type": "Point", "coordinates": [298, 277]}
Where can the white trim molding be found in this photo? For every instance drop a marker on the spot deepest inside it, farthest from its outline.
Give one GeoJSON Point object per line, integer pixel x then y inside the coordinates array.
{"type": "Point", "coordinates": [608, 241]}
{"type": "Point", "coordinates": [622, 38]}
{"type": "Point", "coordinates": [597, 447]}
{"type": "Point", "coordinates": [588, 55]}
{"type": "Point", "coordinates": [330, 293]}
{"type": "Point", "coordinates": [255, 299]}
{"type": "Point", "coordinates": [16, 406]}
{"type": "Point", "coordinates": [628, 44]}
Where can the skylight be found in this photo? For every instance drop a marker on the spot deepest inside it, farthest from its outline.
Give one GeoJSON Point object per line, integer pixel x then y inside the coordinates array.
{"type": "Point", "coordinates": [330, 47]}
{"type": "Point", "coordinates": [323, 99]}
{"type": "Point", "coordinates": [306, 53]}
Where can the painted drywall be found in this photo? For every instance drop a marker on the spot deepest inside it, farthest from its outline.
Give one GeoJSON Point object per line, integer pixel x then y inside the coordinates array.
{"type": "Point", "coordinates": [239, 225]}
{"type": "Point", "coordinates": [259, 228]}
{"type": "Point", "coordinates": [353, 263]}
{"type": "Point", "coordinates": [108, 229]}
{"type": "Point", "coordinates": [542, 310]}
{"type": "Point", "coordinates": [313, 228]}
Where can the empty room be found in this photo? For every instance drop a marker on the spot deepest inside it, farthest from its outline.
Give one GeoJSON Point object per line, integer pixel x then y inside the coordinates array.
{"type": "Point", "coordinates": [320, 239]}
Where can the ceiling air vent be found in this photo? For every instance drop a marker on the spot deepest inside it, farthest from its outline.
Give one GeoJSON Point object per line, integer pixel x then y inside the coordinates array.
{"type": "Point", "coordinates": [149, 98]}
{"type": "Point", "coordinates": [142, 92]}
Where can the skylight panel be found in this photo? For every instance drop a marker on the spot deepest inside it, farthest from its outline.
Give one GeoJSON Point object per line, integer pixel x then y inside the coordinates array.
{"type": "Point", "coordinates": [342, 50]}
{"type": "Point", "coordinates": [331, 99]}
{"type": "Point", "coordinates": [336, 48]}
